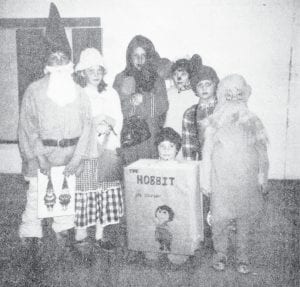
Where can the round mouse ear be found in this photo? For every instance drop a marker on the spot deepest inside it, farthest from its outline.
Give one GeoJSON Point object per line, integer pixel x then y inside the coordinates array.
{"type": "Point", "coordinates": [195, 63]}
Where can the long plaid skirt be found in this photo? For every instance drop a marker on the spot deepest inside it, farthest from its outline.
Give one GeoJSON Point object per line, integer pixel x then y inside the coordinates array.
{"type": "Point", "coordinates": [97, 201]}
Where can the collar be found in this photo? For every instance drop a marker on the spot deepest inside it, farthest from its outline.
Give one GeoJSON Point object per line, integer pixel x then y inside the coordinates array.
{"type": "Point", "coordinates": [210, 103]}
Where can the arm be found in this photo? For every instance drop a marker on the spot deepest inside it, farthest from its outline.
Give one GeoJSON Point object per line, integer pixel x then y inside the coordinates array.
{"type": "Point", "coordinates": [261, 141]}
{"type": "Point", "coordinates": [74, 166]}
{"type": "Point", "coordinates": [125, 87]}
{"type": "Point", "coordinates": [116, 112]}
{"type": "Point", "coordinates": [31, 146]}
{"type": "Point", "coordinates": [190, 144]}
{"type": "Point", "coordinates": [162, 104]}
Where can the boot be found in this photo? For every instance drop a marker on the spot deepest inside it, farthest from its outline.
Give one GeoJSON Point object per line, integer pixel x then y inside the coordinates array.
{"type": "Point", "coordinates": [64, 245]}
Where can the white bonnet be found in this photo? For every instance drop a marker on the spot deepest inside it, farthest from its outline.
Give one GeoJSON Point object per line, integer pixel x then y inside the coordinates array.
{"type": "Point", "coordinates": [88, 58]}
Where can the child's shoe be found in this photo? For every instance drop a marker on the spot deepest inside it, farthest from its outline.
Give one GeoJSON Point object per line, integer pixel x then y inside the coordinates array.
{"type": "Point", "coordinates": [62, 238]}
{"type": "Point", "coordinates": [82, 246]}
{"type": "Point", "coordinates": [106, 245]}
{"type": "Point", "coordinates": [243, 268]}
{"type": "Point", "coordinates": [29, 241]}
{"type": "Point", "coordinates": [219, 262]}
{"type": "Point", "coordinates": [219, 266]}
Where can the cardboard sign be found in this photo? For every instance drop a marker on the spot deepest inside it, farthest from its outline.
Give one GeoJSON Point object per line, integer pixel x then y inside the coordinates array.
{"type": "Point", "coordinates": [56, 194]}
{"type": "Point", "coordinates": [163, 206]}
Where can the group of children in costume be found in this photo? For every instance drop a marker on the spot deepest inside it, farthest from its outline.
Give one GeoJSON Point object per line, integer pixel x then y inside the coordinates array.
{"type": "Point", "coordinates": [198, 118]}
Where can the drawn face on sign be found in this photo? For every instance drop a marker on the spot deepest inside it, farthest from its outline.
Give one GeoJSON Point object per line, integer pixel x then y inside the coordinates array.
{"type": "Point", "coordinates": [164, 214]}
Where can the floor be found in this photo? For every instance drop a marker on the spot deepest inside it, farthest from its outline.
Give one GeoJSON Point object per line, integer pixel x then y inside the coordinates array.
{"type": "Point", "coordinates": [274, 252]}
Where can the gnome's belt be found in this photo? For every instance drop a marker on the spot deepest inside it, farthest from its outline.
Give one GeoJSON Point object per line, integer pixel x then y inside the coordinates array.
{"type": "Point", "coordinates": [61, 143]}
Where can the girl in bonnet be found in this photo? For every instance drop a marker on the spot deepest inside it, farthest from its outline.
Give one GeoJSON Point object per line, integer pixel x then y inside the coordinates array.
{"type": "Point", "coordinates": [235, 169]}
{"type": "Point", "coordinates": [99, 193]}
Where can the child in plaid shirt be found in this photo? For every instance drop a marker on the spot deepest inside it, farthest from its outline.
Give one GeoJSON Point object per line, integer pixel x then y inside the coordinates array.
{"type": "Point", "coordinates": [204, 82]}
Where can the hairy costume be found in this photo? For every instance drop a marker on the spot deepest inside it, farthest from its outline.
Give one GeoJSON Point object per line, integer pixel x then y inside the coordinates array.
{"type": "Point", "coordinates": [235, 165]}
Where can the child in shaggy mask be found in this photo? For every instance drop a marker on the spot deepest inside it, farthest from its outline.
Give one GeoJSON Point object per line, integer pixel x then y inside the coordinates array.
{"type": "Point", "coordinates": [235, 169]}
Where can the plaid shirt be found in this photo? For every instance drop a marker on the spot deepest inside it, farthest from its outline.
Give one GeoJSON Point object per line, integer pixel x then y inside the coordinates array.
{"type": "Point", "coordinates": [192, 130]}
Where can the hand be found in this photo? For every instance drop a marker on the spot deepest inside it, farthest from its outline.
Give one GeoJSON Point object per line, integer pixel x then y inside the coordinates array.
{"type": "Point", "coordinates": [103, 128]}
{"type": "Point", "coordinates": [44, 165]}
{"type": "Point", "coordinates": [79, 169]}
{"type": "Point", "coordinates": [73, 166]}
{"type": "Point", "coordinates": [204, 191]}
{"type": "Point", "coordinates": [262, 182]}
{"type": "Point", "coordinates": [137, 99]}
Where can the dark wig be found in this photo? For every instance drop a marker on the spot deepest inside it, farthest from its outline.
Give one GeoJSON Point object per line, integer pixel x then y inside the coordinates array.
{"type": "Point", "coordinates": [146, 77]}
{"type": "Point", "coordinates": [168, 134]}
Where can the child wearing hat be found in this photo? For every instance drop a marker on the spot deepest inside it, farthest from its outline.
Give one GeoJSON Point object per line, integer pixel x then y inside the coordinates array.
{"type": "Point", "coordinates": [235, 169]}
{"type": "Point", "coordinates": [204, 82]}
{"type": "Point", "coordinates": [99, 199]}
{"type": "Point", "coordinates": [180, 95]}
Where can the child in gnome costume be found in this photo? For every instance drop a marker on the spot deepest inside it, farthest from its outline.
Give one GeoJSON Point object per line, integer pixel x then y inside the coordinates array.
{"type": "Point", "coordinates": [99, 199]}
{"type": "Point", "coordinates": [234, 170]}
{"type": "Point", "coordinates": [54, 129]}
{"type": "Point", "coordinates": [142, 94]}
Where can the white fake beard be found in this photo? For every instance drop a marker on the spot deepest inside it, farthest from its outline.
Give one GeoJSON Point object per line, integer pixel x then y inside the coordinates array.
{"type": "Point", "coordinates": [61, 88]}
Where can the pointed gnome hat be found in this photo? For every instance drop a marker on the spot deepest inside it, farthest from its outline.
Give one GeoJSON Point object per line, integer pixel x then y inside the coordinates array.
{"type": "Point", "coordinates": [55, 36]}
{"type": "Point", "coordinates": [65, 184]}
{"type": "Point", "coordinates": [49, 185]}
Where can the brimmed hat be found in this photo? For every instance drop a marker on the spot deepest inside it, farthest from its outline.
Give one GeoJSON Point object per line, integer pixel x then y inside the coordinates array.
{"type": "Point", "coordinates": [88, 58]}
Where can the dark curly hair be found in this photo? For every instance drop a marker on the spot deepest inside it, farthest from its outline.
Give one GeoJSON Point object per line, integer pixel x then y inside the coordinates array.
{"type": "Point", "coordinates": [168, 209]}
{"type": "Point", "coordinates": [181, 64]}
{"type": "Point", "coordinates": [168, 134]}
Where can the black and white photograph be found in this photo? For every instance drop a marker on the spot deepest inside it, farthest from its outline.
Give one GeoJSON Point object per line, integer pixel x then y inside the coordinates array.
{"type": "Point", "coordinates": [149, 143]}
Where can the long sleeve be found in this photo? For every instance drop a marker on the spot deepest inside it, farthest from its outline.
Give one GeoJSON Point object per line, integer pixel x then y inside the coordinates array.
{"type": "Point", "coordinates": [86, 118]}
{"type": "Point", "coordinates": [30, 142]}
{"type": "Point", "coordinates": [116, 112]}
{"type": "Point", "coordinates": [261, 148]}
{"type": "Point", "coordinates": [190, 144]}
{"type": "Point", "coordinates": [125, 87]}
{"type": "Point", "coordinates": [162, 103]}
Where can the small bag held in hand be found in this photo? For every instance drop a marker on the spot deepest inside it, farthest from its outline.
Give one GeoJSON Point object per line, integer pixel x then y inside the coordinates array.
{"type": "Point", "coordinates": [135, 131]}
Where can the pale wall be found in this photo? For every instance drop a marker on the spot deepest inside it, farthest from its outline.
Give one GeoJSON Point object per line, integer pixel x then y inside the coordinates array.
{"type": "Point", "coordinates": [250, 37]}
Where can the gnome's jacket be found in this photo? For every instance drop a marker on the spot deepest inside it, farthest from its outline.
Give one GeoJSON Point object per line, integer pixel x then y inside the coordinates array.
{"type": "Point", "coordinates": [41, 119]}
